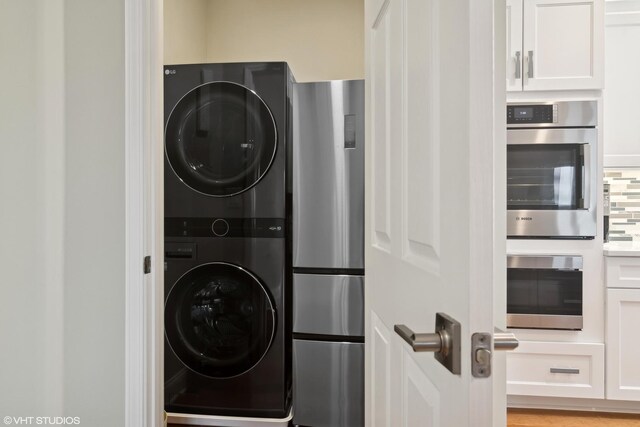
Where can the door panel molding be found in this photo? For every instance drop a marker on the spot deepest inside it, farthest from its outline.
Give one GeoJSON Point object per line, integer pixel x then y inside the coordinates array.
{"type": "Point", "coordinates": [381, 195]}
{"type": "Point", "coordinates": [380, 373]}
{"type": "Point", "coordinates": [421, 137]}
{"type": "Point", "coordinates": [421, 398]}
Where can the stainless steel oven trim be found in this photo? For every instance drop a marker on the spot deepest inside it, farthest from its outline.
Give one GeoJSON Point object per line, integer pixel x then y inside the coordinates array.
{"type": "Point", "coordinates": [547, 262]}
{"type": "Point", "coordinates": [587, 172]}
{"type": "Point", "coordinates": [569, 113]}
{"type": "Point", "coordinates": [551, 136]}
{"type": "Point", "coordinates": [544, 321]}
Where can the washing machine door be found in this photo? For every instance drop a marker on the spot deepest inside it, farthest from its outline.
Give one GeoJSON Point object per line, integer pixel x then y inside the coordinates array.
{"type": "Point", "coordinates": [220, 139]}
{"type": "Point", "coordinates": [219, 320]}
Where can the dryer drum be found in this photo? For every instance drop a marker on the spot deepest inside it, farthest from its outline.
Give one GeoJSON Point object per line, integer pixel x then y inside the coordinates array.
{"type": "Point", "coordinates": [219, 320]}
{"type": "Point", "coordinates": [220, 139]}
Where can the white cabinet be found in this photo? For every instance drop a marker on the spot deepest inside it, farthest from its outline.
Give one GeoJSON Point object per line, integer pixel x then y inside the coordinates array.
{"type": "Point", "coordinates": [556, 369]}
{"type": "Point", "coordinates": [514, 45]}
{"type": "Point", "coordinates": [623, 344]}
{"type": "Point", "coordinates": [622, 85]}
{"type": "Point", "coordinates": [623, 321]}
{"type": "Point", "coordinates": [555, 44]}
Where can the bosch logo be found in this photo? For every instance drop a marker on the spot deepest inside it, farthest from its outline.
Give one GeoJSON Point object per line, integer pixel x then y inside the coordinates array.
{"type": "Point", "coordinates": [523, 218]}
{"type": "Point", "coordinates": [168, 72]}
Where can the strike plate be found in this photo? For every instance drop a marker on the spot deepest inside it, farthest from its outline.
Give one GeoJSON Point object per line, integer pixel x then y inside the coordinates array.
{"type": "Point", "coordinates": [449, 358]}
{"type": "Point", "coordinates": [481, 355]}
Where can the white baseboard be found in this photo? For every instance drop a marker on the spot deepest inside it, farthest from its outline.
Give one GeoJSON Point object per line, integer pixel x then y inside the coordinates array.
{"type": "Point", "coordinates": [566, 404]}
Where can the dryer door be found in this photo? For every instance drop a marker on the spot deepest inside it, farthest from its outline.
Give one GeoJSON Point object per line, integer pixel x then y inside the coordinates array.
{"type": "Point", "coordinates": [220, 139]}
{"type": "Point", "coordinates": [219, 320]}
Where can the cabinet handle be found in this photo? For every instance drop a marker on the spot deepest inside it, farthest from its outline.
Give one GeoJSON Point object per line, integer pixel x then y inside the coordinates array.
{"type": "Point", "coordinates": [530, 64]}
{"type": "Point", "coordinates": [518, 64]}
{"type": "Point", "coordinates": [564, 371]}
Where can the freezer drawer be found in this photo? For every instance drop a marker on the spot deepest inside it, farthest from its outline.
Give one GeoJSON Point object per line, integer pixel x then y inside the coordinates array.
{"type": "Point", "coordinates": [328, 305]}
{"type": "Point", "coordinates": [328, 389]}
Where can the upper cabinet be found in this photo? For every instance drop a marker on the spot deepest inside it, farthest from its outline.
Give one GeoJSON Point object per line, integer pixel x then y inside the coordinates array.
{"type": "Point", "coordinates": [555, 44]}
{"type": "Point", "coordinates": [622, 88]}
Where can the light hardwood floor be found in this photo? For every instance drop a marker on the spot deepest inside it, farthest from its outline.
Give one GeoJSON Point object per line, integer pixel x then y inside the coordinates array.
{"type": "Point", "coordinates": [537, 418]}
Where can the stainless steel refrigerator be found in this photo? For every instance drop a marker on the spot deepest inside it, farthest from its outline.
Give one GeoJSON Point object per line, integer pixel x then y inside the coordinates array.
{"type": "Point", "coordinates": [328, 253]}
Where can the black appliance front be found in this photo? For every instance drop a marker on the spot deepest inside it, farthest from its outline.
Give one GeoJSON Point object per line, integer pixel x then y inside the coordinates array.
{"type": "Point", "coordinates": [545, 292]}
{"type": "Point", "coordinates": [227, 327]}
{"type": "Point", "coordinates": [226, 136]}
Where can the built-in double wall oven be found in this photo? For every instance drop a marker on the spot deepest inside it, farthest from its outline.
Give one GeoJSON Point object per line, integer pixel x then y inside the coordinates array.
{"type": "Point", "coordinates": [552, 170]}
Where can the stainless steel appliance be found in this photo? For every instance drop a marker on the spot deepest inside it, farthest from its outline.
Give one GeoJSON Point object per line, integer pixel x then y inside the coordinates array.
{"type": "Point", "coordinates": [552, 170]}
{"type": "Point", "coordinates": [544, 292]}
{"type": "Point", "coordinates": [328, 253]}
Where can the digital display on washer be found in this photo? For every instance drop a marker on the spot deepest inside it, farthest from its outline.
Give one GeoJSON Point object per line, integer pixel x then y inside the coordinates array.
{"type": "Point", "coordinates": [523, 112]}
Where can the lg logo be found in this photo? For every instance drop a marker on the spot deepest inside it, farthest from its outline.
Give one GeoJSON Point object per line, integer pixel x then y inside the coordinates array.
{"type": "Point", "coordinates": [167, 72]}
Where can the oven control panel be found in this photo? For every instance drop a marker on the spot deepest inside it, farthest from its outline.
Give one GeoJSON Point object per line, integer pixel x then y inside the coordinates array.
{"type": "Point", "coordinates": [533, 114]}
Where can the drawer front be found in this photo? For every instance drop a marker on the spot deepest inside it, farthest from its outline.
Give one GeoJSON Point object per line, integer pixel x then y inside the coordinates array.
{"type": "Point", "coordinates": [622, 272]}
{"type": "Point", "coordinates": [328, 305]}
{"type": "Point", "coordinates": [556, 370]}
{"type": "Point", "coordinates": [328, 388]}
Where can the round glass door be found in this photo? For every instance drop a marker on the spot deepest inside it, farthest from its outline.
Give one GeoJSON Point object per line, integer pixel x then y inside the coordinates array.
{"type": "Point", "coordinates": [220, 139]}
{"type": "Point", "coordinates": [219, 320]}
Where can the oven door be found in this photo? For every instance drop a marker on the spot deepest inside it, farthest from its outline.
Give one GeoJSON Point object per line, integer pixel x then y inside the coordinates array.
{"type": "Point", "coordinates": [551, 183]}
{"type": "Point", "coordinates": [544, 292]}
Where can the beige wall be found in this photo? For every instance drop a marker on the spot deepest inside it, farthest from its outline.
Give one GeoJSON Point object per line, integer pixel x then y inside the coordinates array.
{"type": "Point", "coordinates": [321, 40]}
{"type": "Point", "coordinates": [185, 31]}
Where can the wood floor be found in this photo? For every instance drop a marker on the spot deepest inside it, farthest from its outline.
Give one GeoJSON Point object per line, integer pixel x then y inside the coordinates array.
{"type": "Point", "coordinates": [537, 418]}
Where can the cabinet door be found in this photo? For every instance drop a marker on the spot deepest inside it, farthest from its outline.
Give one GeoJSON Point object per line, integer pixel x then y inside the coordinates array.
{"type": "Point", "coordinates": [563, 44]}
{"type": "Point", "coordinates": [623, 346]}
{"type": "Point", "coordinates": [622, 68]}
{"type": "Point", "coordinates": [514, 45]}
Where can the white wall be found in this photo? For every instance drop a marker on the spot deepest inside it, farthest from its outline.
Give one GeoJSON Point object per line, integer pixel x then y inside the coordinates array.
{"type": "Point", "coordinates": [62, 210]}
{"type": "Point", "coordinates": [21, 288]}
{"type": "Point", "coordinates": [94, 297]}
{"type": "Point", "coordinates": [185, 29]}
{"type": "Point", "coordinates": [321, 40]}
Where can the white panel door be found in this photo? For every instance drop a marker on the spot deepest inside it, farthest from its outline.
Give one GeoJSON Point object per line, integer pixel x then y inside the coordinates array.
{"type": "Point", "coordinates": [563, 44]}
{"type": "Point", "coordinates": [514, 46]}
{"type": "Point", "coordinates": [435, 129]}
{"type": "Point", "coordinates": [623, 346]}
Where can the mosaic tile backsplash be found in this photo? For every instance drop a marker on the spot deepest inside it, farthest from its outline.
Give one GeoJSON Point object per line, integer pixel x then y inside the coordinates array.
{"type": "Point", "coordinates": [624, 221]}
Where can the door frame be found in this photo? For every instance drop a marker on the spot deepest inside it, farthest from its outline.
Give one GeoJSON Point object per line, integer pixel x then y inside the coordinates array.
{"type": "Point", "coordinates": [144, 213]}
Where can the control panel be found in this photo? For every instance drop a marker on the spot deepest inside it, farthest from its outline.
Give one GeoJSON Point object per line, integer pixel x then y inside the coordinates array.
{"type": "Point", "coordinates": [224, 227]}
{"type": "Point", "coordinates": [534, 114]}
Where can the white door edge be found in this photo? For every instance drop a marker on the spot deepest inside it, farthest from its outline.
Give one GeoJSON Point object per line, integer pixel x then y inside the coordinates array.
{"type": "Point", "coordinates": [144, 214]}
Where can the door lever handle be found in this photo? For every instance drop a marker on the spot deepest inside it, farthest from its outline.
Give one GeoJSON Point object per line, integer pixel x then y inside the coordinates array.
{"type": "Point", "coordinates": [444, 342]}
{"type": "Point", "coordinates": [482, 351]}
{"type": "Point", "coordinates": [504, 340]}
{"type": "Point", "coordinates": [423, 342]}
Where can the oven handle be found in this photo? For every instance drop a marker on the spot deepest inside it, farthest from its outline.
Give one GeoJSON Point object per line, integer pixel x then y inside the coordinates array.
{"type": "Point", "coordinates": [545, 262]}
{"type": "Point", "coordinates": [586, 176]}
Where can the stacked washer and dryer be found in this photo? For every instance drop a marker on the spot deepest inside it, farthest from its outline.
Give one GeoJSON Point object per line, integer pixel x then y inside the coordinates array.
{"type": "Point", "coordinates": [228, 326]}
